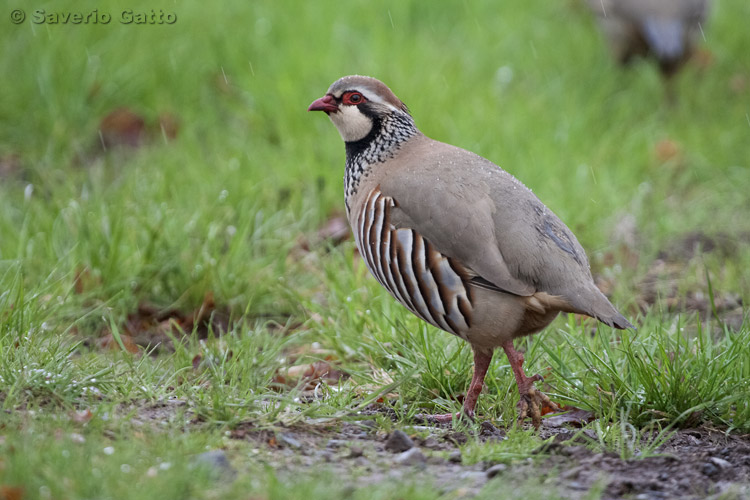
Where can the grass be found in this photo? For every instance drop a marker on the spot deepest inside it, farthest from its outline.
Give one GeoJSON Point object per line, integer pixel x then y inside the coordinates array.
{"type": "Point", "coordinates": [87, 236]}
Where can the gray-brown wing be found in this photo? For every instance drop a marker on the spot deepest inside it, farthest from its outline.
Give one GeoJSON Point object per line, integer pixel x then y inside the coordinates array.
{"type": "Point", "coordinates": [477, 213]}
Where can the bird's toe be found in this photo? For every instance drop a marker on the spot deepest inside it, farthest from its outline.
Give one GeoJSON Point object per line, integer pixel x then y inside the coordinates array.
{"type": "Point", "coordinates": [533, 404]}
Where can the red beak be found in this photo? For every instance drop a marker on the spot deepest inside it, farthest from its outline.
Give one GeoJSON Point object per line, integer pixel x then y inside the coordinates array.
{"type": "Point", "coordinates": [326, 103]}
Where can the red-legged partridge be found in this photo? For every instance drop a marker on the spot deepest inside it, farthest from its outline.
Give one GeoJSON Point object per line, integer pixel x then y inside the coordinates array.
{"type": "Point", "coordinates": [454, 238]}
{"type": "Point", "coordinates": [667, 30]}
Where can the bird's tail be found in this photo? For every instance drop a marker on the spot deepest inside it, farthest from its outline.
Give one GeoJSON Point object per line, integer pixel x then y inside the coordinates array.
{"type": "Point", "coordinates": [617, 321]}
{"type": "Point", "coordinates": [592, 302]}
{"type": "Point", "coordinates": [607, 314]}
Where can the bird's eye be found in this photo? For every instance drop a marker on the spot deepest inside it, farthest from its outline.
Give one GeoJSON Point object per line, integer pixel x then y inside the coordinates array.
{"type": "Point", "coordinates": [353, 98]}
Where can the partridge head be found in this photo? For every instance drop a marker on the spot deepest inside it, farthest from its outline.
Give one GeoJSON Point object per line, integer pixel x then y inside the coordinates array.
{"type": "Point", "coordinates": [454, 238]}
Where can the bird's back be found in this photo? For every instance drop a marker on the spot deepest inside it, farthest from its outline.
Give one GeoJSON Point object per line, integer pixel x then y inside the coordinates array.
{"type": "Point", "coordinates": [473, 211]}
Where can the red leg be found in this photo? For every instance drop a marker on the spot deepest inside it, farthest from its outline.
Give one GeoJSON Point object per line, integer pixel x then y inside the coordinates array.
{"type": "Point", "coordinates": [531, 398]}
{"type": "Point", "coordinates": [516, 364]}
{"type": "Point", "coordinates": [482, 361]}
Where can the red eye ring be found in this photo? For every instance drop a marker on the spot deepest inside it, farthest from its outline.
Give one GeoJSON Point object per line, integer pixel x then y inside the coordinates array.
{"type": "Point", "coordinates": [353, 98]}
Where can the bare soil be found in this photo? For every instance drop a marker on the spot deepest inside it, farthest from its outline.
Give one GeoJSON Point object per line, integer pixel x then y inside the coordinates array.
{"type": "Point", "coordinates": [693, 464]}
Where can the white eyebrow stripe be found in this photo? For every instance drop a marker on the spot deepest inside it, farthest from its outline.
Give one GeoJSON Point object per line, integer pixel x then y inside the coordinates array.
{"type": "Point", "coordinates": [377, 99]}
{"type": "Point", "coordinates": [373, 97]}
{"type": "Point", "coordinates": [369, 95]}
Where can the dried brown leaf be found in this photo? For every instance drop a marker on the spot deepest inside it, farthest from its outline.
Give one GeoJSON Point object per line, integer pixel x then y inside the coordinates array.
{"type": "Point", "coordinates": [151, 325]}
{"type": "Point", "coordinates": [108, 341]}
{"type": "Point", "coordinates": [11, 492]}
{"type": "Point", "coordinates": [84, 281]}
{"type": "Point", "coordinates": [703, 59]}
{"type": "Point", "coordinates": [200, 315]}
{"type": "Point", "coordinates": [667, 150]}
{"type": "Point", "coordinates": [9, 165]}
{"type": "Point", "coordinates": [122, 127]}
{"type": "Point", "coordinates": [335, 229]}
{"type": "Point", "coordinates": [572, 416]}
{"type": "Point", "coordinates": [380, 378]}
{"type": "Point", "coordinates": [308, 376]}
{"type": "Point", "coordinates": [82, 417]}
{"type": "Point", "coordinates": [197, 361]}
{"type": "Point", "coordinates": [310, 351]}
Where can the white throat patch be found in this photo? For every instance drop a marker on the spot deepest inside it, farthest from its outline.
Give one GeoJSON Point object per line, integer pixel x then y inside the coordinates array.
{"type": "Point", "coordinates": [351, 123]}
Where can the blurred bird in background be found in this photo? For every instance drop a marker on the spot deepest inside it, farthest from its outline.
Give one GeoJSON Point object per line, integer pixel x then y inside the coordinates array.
{"type": "Point", "coordinates": [666, 30]}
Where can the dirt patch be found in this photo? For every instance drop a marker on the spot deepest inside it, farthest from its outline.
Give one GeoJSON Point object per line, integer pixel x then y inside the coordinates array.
{"type": "Point", "coordinates": [692, 464]}
{"type": "Point", "coordinates": [696, 463]}
{"type": "Point", "coordinates": [156, 414]}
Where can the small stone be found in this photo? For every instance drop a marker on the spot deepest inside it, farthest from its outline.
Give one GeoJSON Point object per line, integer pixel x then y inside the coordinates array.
{"type": "Point", "coordinates": [455, 457]}
{"type": "Point", "coordinates": [412, 456]}
{"type": "Point", "coordinates": [355, 452]}
{"type": "Point", "coordinates": [709, 469]}
{"type": "Point", "coordinates": [573, 473]}
{"type": "Point", "coordinates": [563, 437]}
{"type": "Point", "coordinates": [396, 474]}
{"type": "Point", "coordinates": [327, 456]}
{"type": "Point", "coordinates": [217, 461]}
{"type": "Point", "coordinates": [77, 438]}
{"type": "Point", "coordinates": [430, 443]}
{"type": "Point", "coordinates": [720, 462]}
{"type": "Point", "coordinates": [457, 438]}
{"type": "Point", "coordinates": [651, 495]}
{"type": "Point", "coordinates": [335, 443]}
{"type": "Point", "coordinates": [495, 470]}
{"type": "Point", "coordinates": [288, 440]}
{"type": "Point", "coordinates": [367, 424]}
{"type": "Point", "coordinates": [472, 476]}
{"type": "Point", "coordinates": [572, 451]}
{"type": "Point", "coordinates": [398, 442]}
{"type": "Point", "coordinates": [487, 429]}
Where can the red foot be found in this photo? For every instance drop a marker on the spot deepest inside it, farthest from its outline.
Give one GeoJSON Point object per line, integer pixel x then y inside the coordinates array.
{"type": "Point", "coordinates": [533, 403]}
